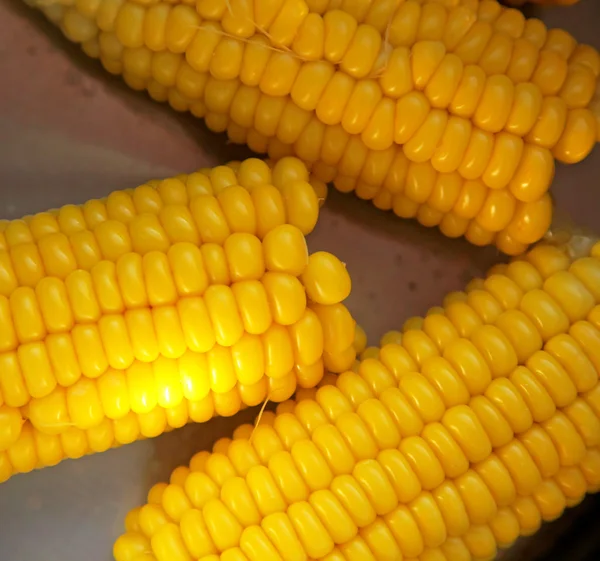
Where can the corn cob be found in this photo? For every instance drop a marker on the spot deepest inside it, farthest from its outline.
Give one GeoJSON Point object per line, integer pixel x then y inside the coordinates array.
{"type": "Point", "coordinates": [523, 101]}
{"type": "Point", "coordinates": [162, 304]}
{"type": "Point", "coordinates": [489, 187]}
{"type": "Point", "coordinates": [479, 425]}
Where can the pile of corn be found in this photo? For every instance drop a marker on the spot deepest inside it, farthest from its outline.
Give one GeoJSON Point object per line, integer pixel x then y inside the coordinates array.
{"type": "Point", "coordinates": [168, 303]}
{"type": "Point", "coordinates": [471, 431]}
{"type": "Point", "coordinates": [192, 296]}
{"type": "Point", "coordinates": [449, 111]}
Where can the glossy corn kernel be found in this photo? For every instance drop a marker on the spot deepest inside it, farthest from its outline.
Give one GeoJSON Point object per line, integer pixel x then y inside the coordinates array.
{"type": "Point", "coordinates": [478, 423]}
{"type": "Point", "coordinates": [197, 296]}
{"type": "Point", "coordinates": [452, 91]}
{"type": "Point", "coordinates": [439, 84]}
{"type": "Point", "coordinates": [167, 217]}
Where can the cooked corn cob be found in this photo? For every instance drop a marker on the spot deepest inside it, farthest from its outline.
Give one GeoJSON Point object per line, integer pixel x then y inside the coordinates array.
{"type": "Point", "coordinates": [164, 303]}
{"type": "Point", "coordinates": [392, 65]}
{"type": "Point", "coordinates": [361, 113]}
{"type": "Point", "coordinates": [483, 422]}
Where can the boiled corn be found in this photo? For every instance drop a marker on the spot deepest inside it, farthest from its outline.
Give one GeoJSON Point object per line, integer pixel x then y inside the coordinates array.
{"type": "Point", "coordinates": [480, 424]}
{"type": "Point", "coordinates": [288, 102]}
{"type": "Point", "coordinates": [163, 304]}
{"type": "Point", "coordinates": [526, 99]}
{"type": "Point", "coordinates": [487, 468]}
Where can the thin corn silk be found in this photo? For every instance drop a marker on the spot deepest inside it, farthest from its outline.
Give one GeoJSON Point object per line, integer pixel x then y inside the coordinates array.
{"type": "Point", "coordinates": [473, 426]}
{"type": "Point", "coordinates": [449, 112]}
{"type": "Point", "coordinates": [172, 302]}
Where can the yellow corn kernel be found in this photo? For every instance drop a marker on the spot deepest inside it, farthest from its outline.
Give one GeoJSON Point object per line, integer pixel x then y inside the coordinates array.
{"type": "Point", "coordinates": [11, 423]}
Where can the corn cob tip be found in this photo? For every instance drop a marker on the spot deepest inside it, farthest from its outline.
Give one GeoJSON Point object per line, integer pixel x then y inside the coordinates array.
{"type": "Point", "coordinates": [326, 279]}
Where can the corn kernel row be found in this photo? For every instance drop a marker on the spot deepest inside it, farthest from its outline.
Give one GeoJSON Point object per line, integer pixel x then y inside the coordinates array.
{"type": "Point", "coordinates": [368, 107]}
{"type": "Point", "coordinates": [143, 341]}
{"type": "Point", "coordinates": [65, 329]}
{"type": "Point", "coordinates": [28, 448]}
{"type": "Point", "coordinates": [415, 190]}
{"type": "Point", "coordinates": [529, 272]}
{"type": "Point", "coordinates": [450, 20]}
{"type": "Point", "coordinates": [481, 496]}
{"type": "Point", "coordinates": [418, 21]}
{"type": "Point", "coordinates": [464, 90]}
{"type": "Point", "coordinates": [168, 353]}
{"type": "Point", "coordinates": [264, 210]}
{"type": "Point", "coordinates": [136, 282]}
{"type": "Point", "coordinates": [210, 50]}
{"type": "Point", "coordinates": [291, 23]}
{"type": "Point", "coordinates": [337, 155]}
{"type": "Point", "coordinates": [546, 268]}
{"type": "Point", "coordinates": [449, 455]}
{"type": "Point", "coordinates": [435, 143]}
{"type": "Point", "coordinates": [532, 435]}
{"type": "Point", "coordinates": [341, 461]}
{"type": "Point", "coordinates": [486, 29]}
{"type": "Point", "coordinates": [164, 221]}
{"type": "Point", "coordinates": [463, 541]}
